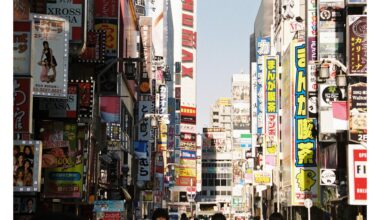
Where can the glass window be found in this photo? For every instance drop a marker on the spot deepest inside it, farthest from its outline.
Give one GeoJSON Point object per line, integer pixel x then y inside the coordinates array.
{"type": "Point", "coordinates": [228, 193]}
{"type": "Point", "coordinates": [211, 182]}
{"type": "Point", "coordinates": [204, 182]}
{"type": "Point", "coordinates": [217, 193]}
{"type": "Point", "coordinates": [223, 193]}
{"type": "Point", "coordinates": [217, 182]}
{"type": "Point", "coordinates": [224, 182]}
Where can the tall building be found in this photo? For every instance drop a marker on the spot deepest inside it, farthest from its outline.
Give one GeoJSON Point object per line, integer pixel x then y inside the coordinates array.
{"type": "Point", "coordinates": [221, 117]}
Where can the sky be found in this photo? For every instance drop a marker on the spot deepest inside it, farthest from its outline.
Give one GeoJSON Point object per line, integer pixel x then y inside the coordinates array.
{"type": "Point", "coordinates": [223, 30]}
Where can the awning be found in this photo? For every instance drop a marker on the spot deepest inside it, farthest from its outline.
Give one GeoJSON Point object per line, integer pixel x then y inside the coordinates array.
{"type": "Point", "coordinates": [126, 194]}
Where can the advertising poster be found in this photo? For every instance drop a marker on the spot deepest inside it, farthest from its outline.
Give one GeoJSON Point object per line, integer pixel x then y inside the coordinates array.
{"type": "Point", "coordinates": [357, 174]}
{"type": "Point", "coordinates": [72, 12]}
{"type": "Point", "coordinates": [60, 108]}
{"type": "Point", "coordinates": [357, 44]}
{"type": "Point", "coordinates": [62, 159]}
{"type": "Point", "coordinates": [27, 165]}
{"type": "Point", "coordinates": [95, 47]}
{"type": "Point", "coordinates": [262, 178]}
{"type": "Point", "coordinates": [357, 99]}
{"type": "Point", "coordinates": [141, 152]}
{"type": "Point", "coordinates": [22, 105]}
{"type": "Point", "coordinates": [238, 171]}
{"type": "Point", "coordinates": [108, 25]}
{"type": "Point", "coordinates": [24, 205]}
{"type": "Point", "coordinates": [188, 115]}
{"type": "Point", "coordinates": [263, 48]}
{"type": "Point", "coordinates": [305, 173]}
{"type": "Point", "coordinates": [312, 91]}
{"type": "Point", "coordinates": [21, 47]}
{"type": "Point", "coordinates": [331, 29]}
{"type": "Point", "coordinates": [49, 62]}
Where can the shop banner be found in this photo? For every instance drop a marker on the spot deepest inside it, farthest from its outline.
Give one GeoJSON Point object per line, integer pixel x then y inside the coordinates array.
{"type": "Point", "coordinates": [263, 48]}
{"type": "Point", "coordinates": [357, 99]}
{"type": "Point", "coordinates": [142, 154]}
{"type": "Point", "coordinates": [50, 49]}
{"type": "Point", "coordinates": [262, 178]}
{"type": "Point", "coordinates": [21, 47]}
{"type": "Point", "coordinates": [312, 91]}
{"type": "Point", "coordinates": [253, 98]}
{"type": "Point", "coordinates": [106, 8]}
{"type": "Point", "coordinates": [186, 154]}
{"type": "Point", "coordinates": [357, 44]}
{"type": "Point", "coordinates": [110, 27]}
{"type": "Point", "coordinates": [145, 107]}
{"type": "Point", "coordinates": [60, 108]}
{"type": "Point", "coordinates": [95, 47]}
{"type": "Point", "coordinates": [27, 166]}
{"type": "Point", "coordinates": [163, 104]}
{"type": "Point", "coordinates": [109, 109]}
{"type": "Point", "coordinates": [356, 2]}
{"type": "Point", "coordinates": [22, 105]}
{"type": "Point", "coordinates": [109, 206]}
{"type": "Point", "coordinates": [185, 181]}
{"type": "Point", "coordinates": [357, 174]}
{"type": "Point", "coordinates": [329, 94]}
{"type": "Point", "coordinates": [71, 11]}
{"type": "Point", "coordinates": [86, 97]}
{"type": "Point", "coordinates": [304, 146]}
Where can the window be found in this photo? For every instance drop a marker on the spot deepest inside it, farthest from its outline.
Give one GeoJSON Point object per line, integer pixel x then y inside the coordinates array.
{"type": "Point", "coordinates": [204, 182]}
{"type": "Point", "coordinates": [211, 182]}
{"type": "Point", "coordinates": [228, 193]}
{"type": "Point", "coordinates": [224, 182]}
{"type": "Point", "coordinates": [223, 193]}
{"type": "Point", "coordinates": [217, 193]}
{"type": "Point", "coordinates": [217, 182]}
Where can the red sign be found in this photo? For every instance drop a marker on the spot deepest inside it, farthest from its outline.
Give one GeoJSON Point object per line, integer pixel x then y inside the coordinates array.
{"type": "Point", "coordinates": [95, 47]}
{"type": "Point", "coordinates": [188, 111]}
{"type": "Point", "coordinates": [357, 160]}
{"type": "Point", "coordinates": [106, 8]}
{"type": "Point", "coordinates": [111, 216]}
{"type": "Point", "coordinates": [22, 105]}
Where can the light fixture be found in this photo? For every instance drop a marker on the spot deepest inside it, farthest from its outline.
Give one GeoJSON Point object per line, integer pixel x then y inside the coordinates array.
{"type": "Point", "coordinates": [341, 80]}
{"type": "Point", "coordinates": [324, 71]}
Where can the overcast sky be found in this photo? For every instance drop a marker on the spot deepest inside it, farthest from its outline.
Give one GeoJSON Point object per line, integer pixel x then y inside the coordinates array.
{"type": "Point", "coordinates": [223, 28]}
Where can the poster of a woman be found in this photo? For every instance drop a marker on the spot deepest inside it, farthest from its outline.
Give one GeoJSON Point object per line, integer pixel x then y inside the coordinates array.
{"type": "Point", "coordinates": [48, 64]}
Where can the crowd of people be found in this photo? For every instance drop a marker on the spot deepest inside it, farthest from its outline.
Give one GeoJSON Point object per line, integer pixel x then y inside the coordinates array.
{"type": "Point", "coordinates": [162, 214]}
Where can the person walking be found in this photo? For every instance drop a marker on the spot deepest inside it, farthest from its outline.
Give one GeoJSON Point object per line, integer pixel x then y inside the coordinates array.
{"type": "Point", "coordinates": [276, 216]}
{"type": "Point", "coordinates": [218, 216]}
{"type": "Point", "coordinates": [160, 214]}
{"type": "Point", "coordinates": [184, 217]}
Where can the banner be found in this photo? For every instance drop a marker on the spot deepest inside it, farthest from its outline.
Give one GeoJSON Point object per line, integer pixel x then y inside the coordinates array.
{"type": "Point", "coordinates": [21, 47]}
{"type": "Point", "coordinates": [110, 27]}
{"type": "Point", "coordinates": [304, 148]}
{"type": "Point", "coordinates": [22, 105]}
{"type": "Point", "coordinates": [357, 174]}
{"type": "Point", "coordinates": [142, 151]}
{"type": "Point", "coordinates": [86, 97]}
{"type": "Point", "coordinates": [71, 11]}
{"type": "Point", "coordinates": [106, 8]}
{"type": "Point", "coordinates": [49, 62]}
{"type": "Point", "coordinates": [27, 165]}
{"type": "Point", "coordinates": [262, 178]}
{"type": "Point", "coordinates": [357, 44]}
{"type": "Point", "coordinates": [95, 47]}
{"type": "Point", "coordinates": [21, 9]}
{"type": "Point", "coordinates": [144, 133]}
{"type": "Point", "coordinates": [109, 109]}
{"type": "Point", "coordinates": [357, 99]}
{"type": "Point", "coordinates": [108, 206]}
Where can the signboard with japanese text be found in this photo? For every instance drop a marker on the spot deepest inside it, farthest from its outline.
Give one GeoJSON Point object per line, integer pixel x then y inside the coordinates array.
{"type": "Point", "coordinates": [262, 178]}
{"type": "Point", "coordinates": [22, 105]}
{"type": "Point", "coordinates": [357, 99]}
{"type": "Point", "coordinates": [312, 91]}
{"type": "Point", "coordinates": [328, 94]}
{"type": "Point", "coordinates": [263, 48]}
{"type": "Point", "coordinates": [163, 104]}
{"type": "Point", "coordinates": [27, 165]}
{"type": "Point", "coordinates": [86, 97]}
{"type": "Point", "coordinates": [253, 106]}
{"type": "Point", "coordinates": [21, 9]}
{"type": "Point", "coordinates": [356, 2]}
{"type": "Point", "coordinates": [109, 109]}
{"type": "Point", "coordinates": [357, 174]}
{"type": "Point", "coordinates": [304, 147]}
{"type": "Point", "coordinates": [108, 25]}
{"type": "Point", "coordinates": [21, 47]}
{"type": "Point", "coordinates": [144, 133]}
{"type": "Point", "coordinates": [106, 8]}
{"type": "Point", "coordinates": [72, 11]}
{"type": "Point", "coordinates": [49, 62]}
{"type": "Point", "coordinates": [357, 44]}
{"type": "Point", "coordinates": [142, 153]}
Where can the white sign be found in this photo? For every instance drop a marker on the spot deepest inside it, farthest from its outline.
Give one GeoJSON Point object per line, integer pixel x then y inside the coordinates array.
{"type": "Point", "coordinates": [308, 203]}
{"type": "Point", "coordinates": [328, 177]}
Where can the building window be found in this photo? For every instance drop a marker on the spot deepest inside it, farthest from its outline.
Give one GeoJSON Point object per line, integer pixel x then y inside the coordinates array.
{"type": "Point", "coordinates": [224, 182]}
{"type": "Point", "coordinates": [228, 193]}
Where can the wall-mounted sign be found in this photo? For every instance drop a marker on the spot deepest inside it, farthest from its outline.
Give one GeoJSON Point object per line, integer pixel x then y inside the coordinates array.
{"type": "Point", "coordinates": [327, 177]}
{"type": "Point", "coordinates": [357, 174]}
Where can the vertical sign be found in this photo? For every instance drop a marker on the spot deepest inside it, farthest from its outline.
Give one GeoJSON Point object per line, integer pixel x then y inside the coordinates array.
{"type": "Point", "coordinates": [22, 105]}
{"type": "Point", "coordinates": [141, 151]}
{"type": "Point", "coordinates": [357, 44]}
{"type": "Point", "coordinates": [357, 174]}
{"type": "Point", "coordinates": [49, 62]}
{"type": "Point", "coordinates": [21, 47]}
{"type": "Point", "coordinates": [145, 107]}
{"type": "Point", "coordinates": [305, 170]}
{"type": "Point", "coordinates": [263, 48]}
{"type": "Point", "coordinates": [253, 98]}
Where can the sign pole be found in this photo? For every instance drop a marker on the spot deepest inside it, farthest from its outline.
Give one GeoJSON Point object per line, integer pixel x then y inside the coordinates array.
{"type": "Point", "coordinates": [308, 204]}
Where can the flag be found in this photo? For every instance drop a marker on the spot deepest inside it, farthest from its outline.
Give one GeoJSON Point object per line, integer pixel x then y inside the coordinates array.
{"type": "Point", "coordinates": [340, 115]}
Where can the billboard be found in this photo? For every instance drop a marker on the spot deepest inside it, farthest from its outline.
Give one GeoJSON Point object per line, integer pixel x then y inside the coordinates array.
{"type": "Point", "coordinates": [109, 109]}
{"type": "Point", "coordinates": [109, 25]}
{"type": "Point", "coordinates": [22, 105]}
{"type": "Point", "coordinates": [357, 100]}
{"type": "Point", "coordinates": [86, 97]}
{"type": "Point", "coordinates": [71, 11]}
{"type": "Point", "coordinates": [357, 174]}
{"type": "Point", "coordinates": [50, 49]}
{"type": "Point", "coordinates": [262, 178]}
{"type": "Point", "coordinates": [62, 159]}
{"type": "Point", "coordinates": [304, 147]}
{"type": "Point", "coordinates": [27, 165]}
{"type": "Point", "coordinates": [21, 47]}
{"type": "Point", "coordinates": [357, 44]}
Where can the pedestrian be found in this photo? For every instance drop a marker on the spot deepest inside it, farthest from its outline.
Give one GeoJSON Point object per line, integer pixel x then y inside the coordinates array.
{"type": "Point", "coordinates": [276, 216]}
{"type": "Point", "coordinates": [184, 217]}
{"type": "Point", "coordinates": [160, 214]}
{"type": "Point", "coordinates": [218, 216]}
